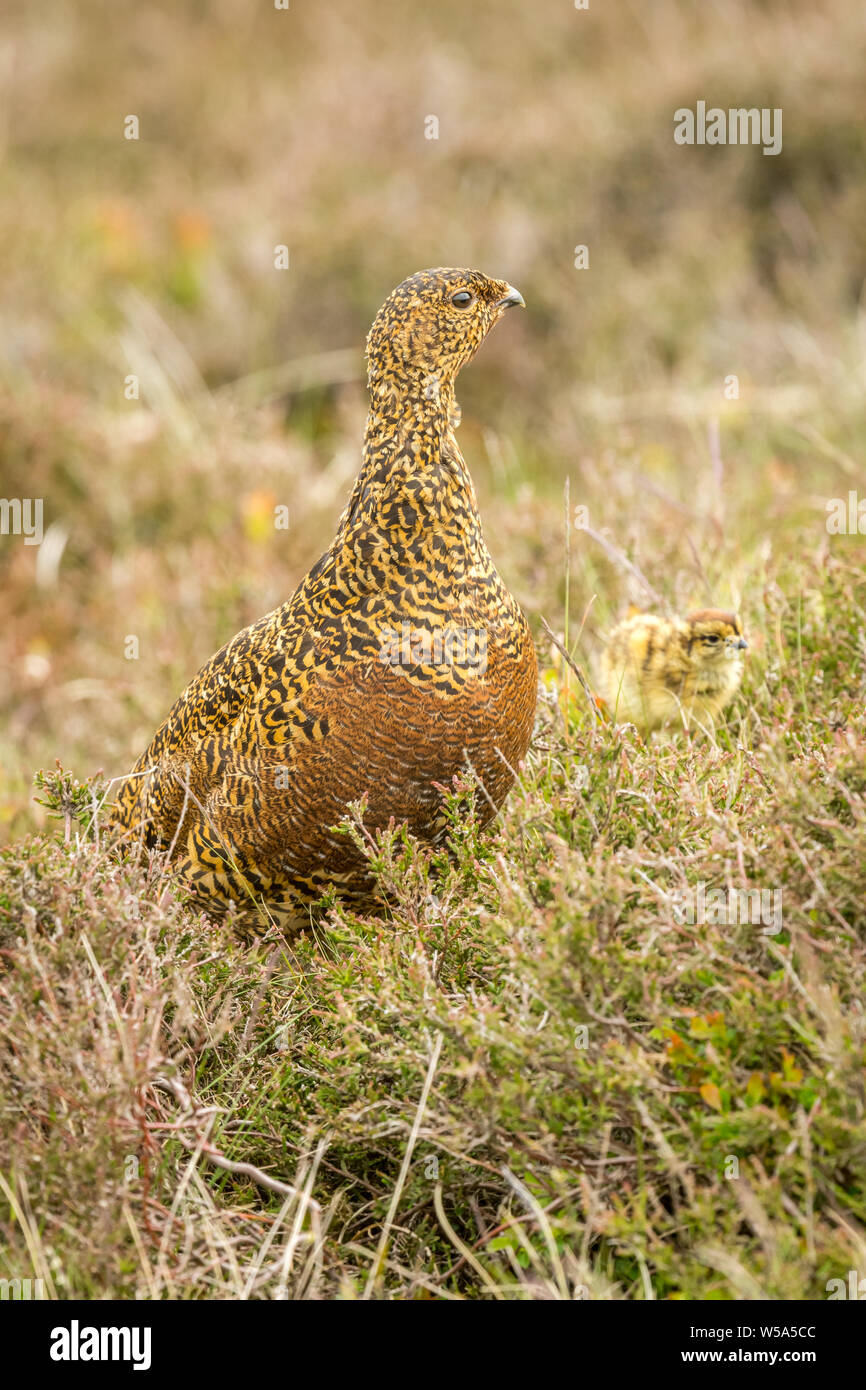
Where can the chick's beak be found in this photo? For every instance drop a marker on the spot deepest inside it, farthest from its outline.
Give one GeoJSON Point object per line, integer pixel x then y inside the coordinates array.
{"type": "Point", "coordinates": [511, 300]}
{"type": "Point", "coordinates": [743, 645]}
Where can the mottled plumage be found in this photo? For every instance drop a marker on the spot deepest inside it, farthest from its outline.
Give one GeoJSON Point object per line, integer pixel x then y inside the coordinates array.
{"type": "Point", "coordinates": [401, 659]}
{"type": "Point", "coordinates": [679, 671]}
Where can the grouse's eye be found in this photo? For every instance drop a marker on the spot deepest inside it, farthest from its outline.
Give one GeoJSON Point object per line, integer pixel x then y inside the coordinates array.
{"type": "Point", "coordinates": [711, 637]}
{"type": "Point", "coordinates": [462, 299]}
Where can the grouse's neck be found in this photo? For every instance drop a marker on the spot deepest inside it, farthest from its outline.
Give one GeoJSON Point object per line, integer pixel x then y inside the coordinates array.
{"type": "Point", "coordinates": [411, 525]}
{"type": "Point", "coordinates": [411, 455]}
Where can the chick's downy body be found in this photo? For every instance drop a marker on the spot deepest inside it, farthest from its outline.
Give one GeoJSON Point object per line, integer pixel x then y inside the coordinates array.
{"type": "Point", "coordinates": [677, 671]}
{"type": "Point", "coordinates": [401, 659]}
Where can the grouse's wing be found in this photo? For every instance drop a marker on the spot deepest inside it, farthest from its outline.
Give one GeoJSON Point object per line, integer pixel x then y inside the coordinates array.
{"type": "Point", "coordinates": [216, 707]}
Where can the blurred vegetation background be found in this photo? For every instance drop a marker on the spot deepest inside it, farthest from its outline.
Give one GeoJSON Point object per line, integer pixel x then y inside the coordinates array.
{"type": "Point", "coordinates": [564, 1165]}
{"type": "Point", "coordinates": [306, 127]}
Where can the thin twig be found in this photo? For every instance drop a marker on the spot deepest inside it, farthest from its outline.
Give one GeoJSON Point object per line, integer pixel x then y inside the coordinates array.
{"type": "Point", "coordinates": [622, 559]}
{"type": "Point", "coordinates": [404, 1169]}
{"type": "Point", "coordinates": [213, 1154]}
{"type": "Point", "coordinates": [585, 686]}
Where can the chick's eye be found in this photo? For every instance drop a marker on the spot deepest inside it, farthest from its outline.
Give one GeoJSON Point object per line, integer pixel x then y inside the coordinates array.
{"type": "Point", "coordinates": [462, 299]}
{"type": "Point", "coordinates": [711, 638]}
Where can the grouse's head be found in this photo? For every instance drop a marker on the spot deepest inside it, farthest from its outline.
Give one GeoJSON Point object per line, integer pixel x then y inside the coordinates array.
{"type": "Point", "coordinates": [715, 636]}
{"type": "Point", "coordinates": [433, 323]}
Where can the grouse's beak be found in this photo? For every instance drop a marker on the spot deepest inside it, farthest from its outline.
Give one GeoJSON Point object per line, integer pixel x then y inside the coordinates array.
{"type": "Point", "coordinates": [743, 644]}
{"type": "Point", "coordinates": [512, 299]}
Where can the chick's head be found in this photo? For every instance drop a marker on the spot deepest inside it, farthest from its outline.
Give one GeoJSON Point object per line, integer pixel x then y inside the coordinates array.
{"type": "Point", "coordinates": [714, 636]}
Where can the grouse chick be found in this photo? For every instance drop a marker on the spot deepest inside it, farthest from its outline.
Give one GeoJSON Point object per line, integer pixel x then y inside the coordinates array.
{"type": "Point", "coordinates": [401, 660]}
{"type": "Point", "coordinates": [680, 671]}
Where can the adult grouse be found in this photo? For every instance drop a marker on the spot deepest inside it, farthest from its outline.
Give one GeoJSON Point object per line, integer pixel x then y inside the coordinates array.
{"type": "Point", "coordinates": [401, 659]}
